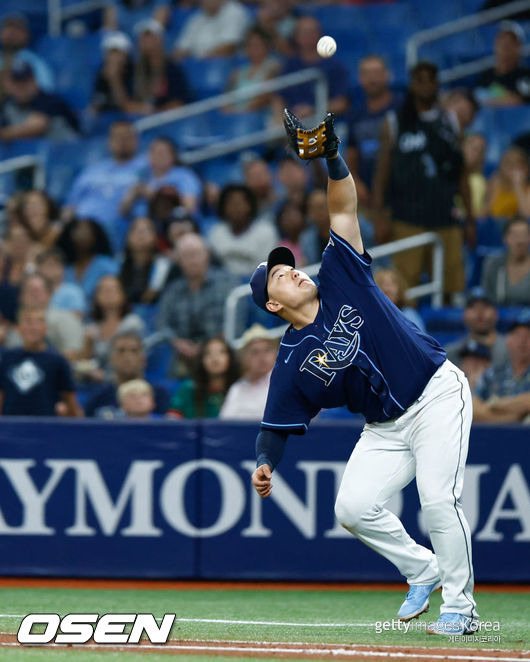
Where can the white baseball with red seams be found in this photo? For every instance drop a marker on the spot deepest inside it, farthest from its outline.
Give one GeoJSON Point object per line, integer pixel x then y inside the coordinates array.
{"type": "Point", "coordinates": [326, 46]}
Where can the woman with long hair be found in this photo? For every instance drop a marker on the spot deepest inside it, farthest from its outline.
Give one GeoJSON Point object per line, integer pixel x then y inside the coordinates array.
{"type": "Point", "coordinates": [39, 214]}
{"type": "Point", "coordinates": [143, 272]}
{"type": "Point", "coordinates": [110, 315]}
{"type": "Point", "coordinates": [215, 371]}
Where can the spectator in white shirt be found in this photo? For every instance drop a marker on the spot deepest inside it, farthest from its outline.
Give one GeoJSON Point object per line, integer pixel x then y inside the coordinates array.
{"type": "Point", "coordinates": [246, 398]}
{"type": "Point", "coordinates": [216, 30]}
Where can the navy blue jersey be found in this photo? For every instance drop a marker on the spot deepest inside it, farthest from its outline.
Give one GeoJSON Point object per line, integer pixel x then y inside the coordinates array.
{"type": "Point", "coordinates": [32, 382]}
{"type": "Point", "coordinates": [360, 351]}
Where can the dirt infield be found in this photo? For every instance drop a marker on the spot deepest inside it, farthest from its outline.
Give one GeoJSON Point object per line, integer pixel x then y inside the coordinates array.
{"type": "Point", "coordinates": [303, 651]}
{"type": "Point", "coordinates": [164, 585]}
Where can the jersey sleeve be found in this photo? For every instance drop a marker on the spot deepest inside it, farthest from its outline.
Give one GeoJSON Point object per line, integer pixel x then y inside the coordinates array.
{"type": "Point", "coordinates": [343, 266]}
{"type": "Point", "coordinates": [287, 409]}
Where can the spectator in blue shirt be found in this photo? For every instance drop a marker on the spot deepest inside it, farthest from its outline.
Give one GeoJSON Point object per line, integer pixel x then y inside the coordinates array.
{"type": "Point", "coordinates": [503, 392]}
{"type": "Point", "coordinates": [87, 252]}
{"type": "Point", "coordinates": [365, 122]}
{"type": "Point", "coordinates": [301, 99]}
{"type": "Point", "coordinates": [163, 169]}
{"type": "Point", "coordinates": [35, 381]}
{"type": "Point", "coordinates": [14, 41]}
{"type": "Point", "coordinates": [98, 190]}
{"type": "Point", "coordinates": [29, 113]}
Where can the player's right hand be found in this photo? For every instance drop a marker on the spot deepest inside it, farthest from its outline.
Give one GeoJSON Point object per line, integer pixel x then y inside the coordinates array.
{"type": "Point", "coordinates": [261, 479]}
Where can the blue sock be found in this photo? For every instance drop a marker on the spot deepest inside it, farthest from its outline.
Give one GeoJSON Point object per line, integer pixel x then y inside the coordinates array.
{"type": "Point", "coordinates": [337, 168]}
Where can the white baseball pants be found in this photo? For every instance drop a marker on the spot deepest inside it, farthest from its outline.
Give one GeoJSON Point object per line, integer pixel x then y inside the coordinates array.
{"type": "Point", "coordinates": [430, 442]}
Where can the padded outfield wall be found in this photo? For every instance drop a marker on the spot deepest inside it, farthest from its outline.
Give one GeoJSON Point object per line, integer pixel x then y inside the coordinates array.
{"type": "Point", "coordinates": [173, 500]}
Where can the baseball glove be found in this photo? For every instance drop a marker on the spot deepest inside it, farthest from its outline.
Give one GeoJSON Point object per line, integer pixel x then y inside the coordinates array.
{"type": "Point", "coordinates": [311, 143]}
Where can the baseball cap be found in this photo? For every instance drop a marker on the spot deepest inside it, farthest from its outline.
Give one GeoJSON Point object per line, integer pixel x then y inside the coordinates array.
{"type": "Point", "coordinates": [474, 348]}
{"type": "Point", "coordinates": [21, 70]}
{"type": "Point", "coordinates": [514, 28]}
{"type": "Point", "coordinates": [478, 294]}
{"type": "Point", "coordinates": [258, 281]}
{"type": "Point", "coordinates": [149, 25]}
{"type": "Point", "coordinates": [523, 319]}
{"type": "Point", "coordinates": [117, 41]}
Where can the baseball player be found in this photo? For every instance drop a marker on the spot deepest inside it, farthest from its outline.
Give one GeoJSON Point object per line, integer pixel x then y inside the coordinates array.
{"type": "Point", "coordinates": [348, 344]}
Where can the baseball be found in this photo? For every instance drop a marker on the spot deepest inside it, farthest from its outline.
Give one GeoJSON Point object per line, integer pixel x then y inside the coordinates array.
{"type": "Point", "coordinates": [326, 46]}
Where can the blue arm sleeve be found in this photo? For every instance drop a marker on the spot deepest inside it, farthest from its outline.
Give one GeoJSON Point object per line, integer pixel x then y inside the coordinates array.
{"type": "Point", "coordinates": [270, 445]}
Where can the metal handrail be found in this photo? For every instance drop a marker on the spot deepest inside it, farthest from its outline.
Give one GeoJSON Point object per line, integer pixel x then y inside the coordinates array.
{"type": "Point", "coordinates": [227, 98]}
{"type": "Point", "coordinates": [23, 162]}
{"type": "Point", "coordinates": [460, 25]}
{"type": "Point", "coordinates": [434, 287]}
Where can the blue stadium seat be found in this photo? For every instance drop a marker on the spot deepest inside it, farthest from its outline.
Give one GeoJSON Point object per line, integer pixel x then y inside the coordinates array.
{"type": "Point", "coordinates": [510, 122]}
{"type": "Point", "coordinates": [222, 170]}
{"type": "Point", "coordinates": [385, 15]}
{"type": "Point", "coordinates": [431, 14]}
{"type": "Point", "coordinates": [159, 358]}
{"type": "Point", "coordinates": [208, 77]}
{"type": "Point", "coordinates": [74, 62]}
{"type": "Point", "coordinates": [338, 19]}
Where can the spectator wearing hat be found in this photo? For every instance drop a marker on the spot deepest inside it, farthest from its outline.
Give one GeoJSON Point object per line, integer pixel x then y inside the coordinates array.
{"type": "Point", "coordinates": [98, 190]}
{"type": "Point", "coordinates": [475, 359]}
{"type": "Point", "coordinates": [216, 30]}
{"type": "Point", "coordinates": [480, 319]}
{"type": "Point", "coordinates": [507, 83]}
{"type": "Point", "coordinates": [158, 83]}
{"type": "Point", "coordinates": [246, 398]}
{"type": "Point", "coordinates": [28, 112]}
{"type": "Point", "coordinates": [506, 278]}
{"type": "Point", "coordinates": [14, 41]}
{"type": "Point", "coordinates": [114, 81]}
{"type": "Point", "coordinates": [503, 392]}
{"type": "Point", "coordinates": [163, 169]}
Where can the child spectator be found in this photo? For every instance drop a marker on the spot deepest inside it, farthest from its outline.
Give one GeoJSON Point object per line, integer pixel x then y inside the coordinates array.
{"type": "Point", "coordinates": [215, 371]}
{"type": "Point", "coordinates": [392, 283]}
{"type": "Point", "coordinates": [247, 396]}
{"type": "Point", "coordinates": [87, 252]}
{"type": "Point", "coordinates": [509, 188]}
{"type": "Point", "coordinates": [136, 399]}
{"type": "Point", "coordinates": [143, 272]}
{"type": "Point", "coordinates": [35, 381]}
{"type": "Point", "coordinates": [506, 278]}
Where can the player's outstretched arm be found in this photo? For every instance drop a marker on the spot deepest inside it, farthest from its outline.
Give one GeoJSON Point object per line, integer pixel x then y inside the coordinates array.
{"type": "Point", "coordinates": [342, 196]}
{"type": "Point", "coordinates": [342, 203]}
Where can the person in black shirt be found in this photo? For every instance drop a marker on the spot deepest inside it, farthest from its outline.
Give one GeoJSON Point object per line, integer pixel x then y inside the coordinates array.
{"type": "Point", "coordinates": [114, 81]}
{"type": "Point", "coordinates": [508, 82]}
{"type": "Point", "coordinates": [29, 113]}
{"type": "Point", "coordinates": [419, 173]}
{"type": "Point", "coordinates": [34, 380]}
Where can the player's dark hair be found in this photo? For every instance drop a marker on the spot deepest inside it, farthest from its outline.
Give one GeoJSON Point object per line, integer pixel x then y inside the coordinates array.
{"type": "Point", "coordinates": [229, 190]}
{"type": "Point", "coordinates": [201, 377]}
{"type": "Point", "coordinates": [65, 244]}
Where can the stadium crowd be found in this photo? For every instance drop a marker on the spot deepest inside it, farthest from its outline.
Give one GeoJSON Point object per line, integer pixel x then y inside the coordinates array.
{"type": "Point", "coordinates": [112, 298]}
